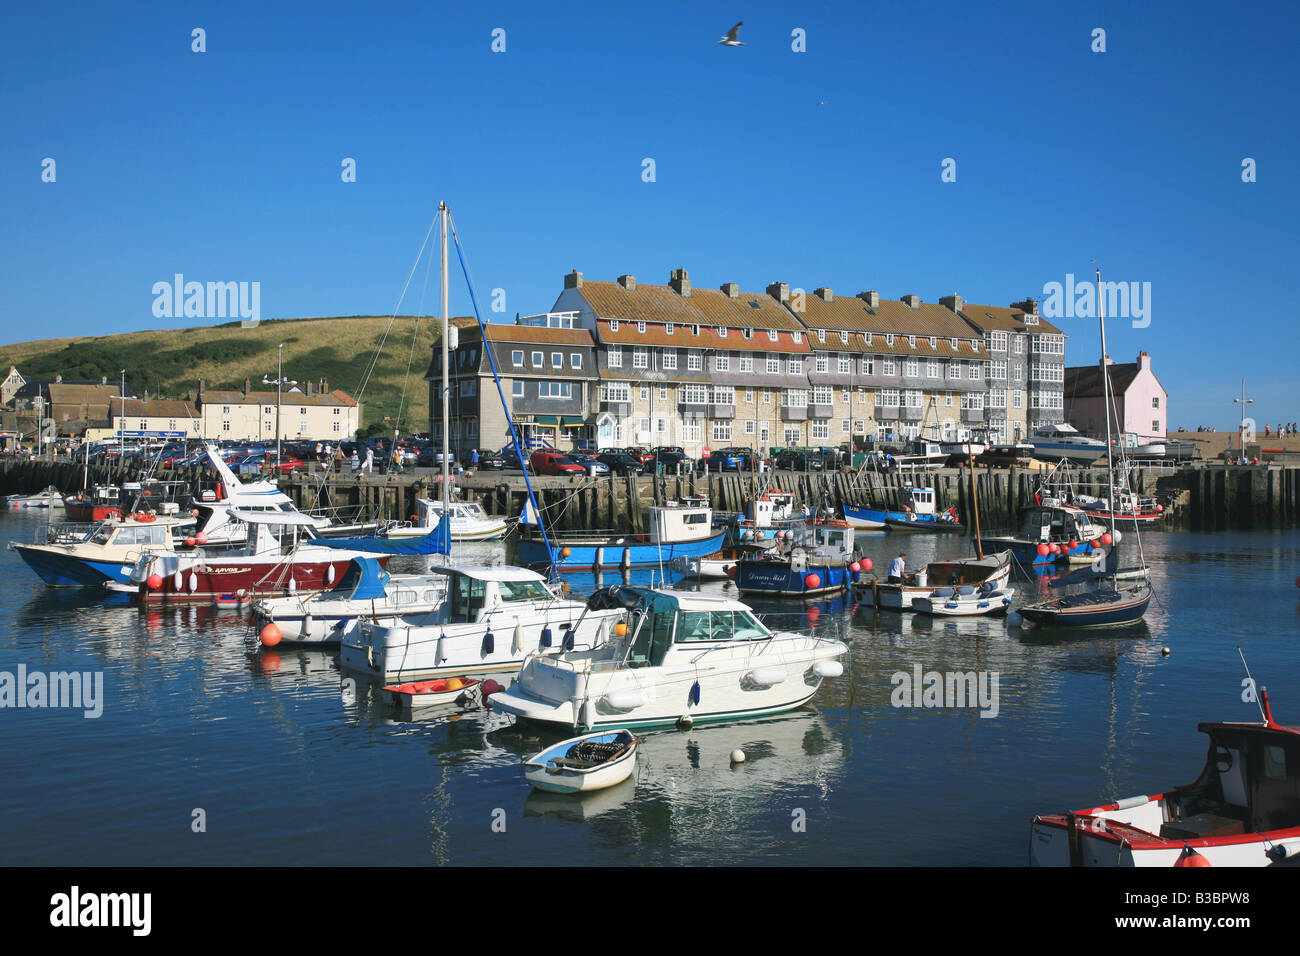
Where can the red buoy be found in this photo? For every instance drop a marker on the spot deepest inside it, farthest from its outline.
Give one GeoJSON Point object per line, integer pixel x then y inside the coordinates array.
{"type": "Point", "coordinates": [1044, 550]}
{"type": "Point", "coordinates": [1160, 509]}
{"type": "Point", "coordinates": [1072, 545]}
{"type": "Point", "coordinates": [866, 564]}
{"type": "Point", "coordinates": [731, 571]}
{"type": "Point", "coordinates": [855, 567]}
{"type": "Point", "coordinates": [201, 537]}
{"type": "Point", "coordinates": [1191, 858]}
{"type": "Point", "coordinates": [155, 582]}
{"type": "Point", "coordinates": [191, 541]}
{"type": "Point", "coordinates": [812, 582]}
{"type": "Point", "coordinates": [270, 635]}
{"type": "Point", "coordinates": [1106, 539]}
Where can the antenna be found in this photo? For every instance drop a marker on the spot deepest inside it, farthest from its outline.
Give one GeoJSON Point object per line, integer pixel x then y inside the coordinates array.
{"type": "Point", "coordinates": [1252, 682]}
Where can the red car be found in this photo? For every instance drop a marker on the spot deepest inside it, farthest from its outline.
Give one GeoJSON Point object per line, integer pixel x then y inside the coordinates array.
{"type": "Point", "coordinates": [288, 464]}
{"type": "Point", "coordinates": [554, 463]}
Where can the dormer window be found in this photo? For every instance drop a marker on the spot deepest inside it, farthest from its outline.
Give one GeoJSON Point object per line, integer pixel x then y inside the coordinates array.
{"type": "Point", "coordinates": [771, 334]}
{"type": "Point", "coordinates": [640, 327]}
{"type": "Point", "coordinates": [695, 329]}
{"type": "Point", "coordinates": [747, 333]}
{"type": "Point", "coordinates": [613, 325]}
{"type": "Point", "coordinates": [868, 338]}
{"type": "Point", "coordinates": [821, 335]}
{"type": "Point", "coordinates": [797, 336]}
{"type": "Point", "coordinates": [934, 341]}
{"type": "Point", "coordinates": [911, 341]}
{"type": "Point", "coordinates": [844, 338]}
{"type": "Point", "coordinates": [975, 345]}
{"type": "Point", "coordinates": [889, 338]}
{"type": "Point", "coordinates": [668, 328]}
{"type": "Point", "coordinates": [953, 343]}
{"type": "Point", "coordinates": [722, 331]}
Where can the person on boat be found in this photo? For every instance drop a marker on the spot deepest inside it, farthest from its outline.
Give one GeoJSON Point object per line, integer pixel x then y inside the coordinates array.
{"type": "Point", "coordinates": [897, 569]}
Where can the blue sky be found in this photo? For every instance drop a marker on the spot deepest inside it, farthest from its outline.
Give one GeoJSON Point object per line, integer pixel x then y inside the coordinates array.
{"type": "Point", "coordinates": [813, 168]}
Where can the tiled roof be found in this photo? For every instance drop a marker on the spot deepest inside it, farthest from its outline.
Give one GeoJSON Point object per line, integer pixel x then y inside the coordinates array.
{"type": "Point", "coordinates": [997, 318]}
{"type": "Point", "coordinates": [658, 304]}
{"type": "Point", "coordinates": [1085, 381]}
{"type": "Point", "coordinates": [232, 397]}
{"type": "Point", "coordinates": [69, 393]}
{"type": "Point", "coordinates": [156, 408]}
{"type": "Point", "coordinates": [539, 335]}
{"type": "Point", "coordinates": [855, 315]}
{"type": "Point", "coordinates": [684, 337]}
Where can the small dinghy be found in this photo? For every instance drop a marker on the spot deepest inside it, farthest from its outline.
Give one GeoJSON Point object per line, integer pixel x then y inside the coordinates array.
{"type": "Point", "coordinates": [460, 691]}
{"type": "Point", "coordinates": [965, 601]}
{"type": "Point", "coordinates": [591, 762]}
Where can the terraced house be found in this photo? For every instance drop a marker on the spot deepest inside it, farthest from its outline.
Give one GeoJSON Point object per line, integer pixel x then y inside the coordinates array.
{"type": "Point", "coordinates": [704, 368]}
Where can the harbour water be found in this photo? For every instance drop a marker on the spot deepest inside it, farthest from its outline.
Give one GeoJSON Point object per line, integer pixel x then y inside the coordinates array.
{"type": "Point", "coordinates": [285, 759]}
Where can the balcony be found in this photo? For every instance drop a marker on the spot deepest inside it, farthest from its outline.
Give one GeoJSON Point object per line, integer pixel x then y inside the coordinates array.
{"type": "Point", "coordinates": [911, 413]}
{"type": "Point", "coordinates": [617, 409]}
{"type": "Point", "coordinates": [820, 411]}
{"type": "Point", "coordinates": [722, 411]}
{"type": "Point", "coordinates": [972, 414]}
{"type": "Point", "coordinates": [888, 413]}
{"type": "Point", "coordinates": [693, 409]}
{"type": "Point", "coordinates": [792, 414]}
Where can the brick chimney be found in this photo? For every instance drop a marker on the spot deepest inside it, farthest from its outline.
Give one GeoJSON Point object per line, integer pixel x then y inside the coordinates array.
{"type": "Point", "coordinates": [1029, 306]}
{"type": "Point", "coordinates": [248, 387]}
{"type": "Point", "coordinates": [732, 289]}
{"type": "Point", "coordinates": [825, 294]}
{"type": "Point", "coordinates": [780, 291]}
{"type": "Point", "coordinates": [953, 301]}
{"type": "Point", "coordinates": [871, 298]}
{"type": "Point", "coordinates": [627, 282]}
{"type": "Point", "coordinates": [680, 282]}
{"type": "Point", "coordinates": [1106, 361]}
{"type": "Point", "coordinates": [911, 301]}
{"type": "Point", "coordinates": [1144, 360]}
{"type": "Point", "coordinates": [573, 280]}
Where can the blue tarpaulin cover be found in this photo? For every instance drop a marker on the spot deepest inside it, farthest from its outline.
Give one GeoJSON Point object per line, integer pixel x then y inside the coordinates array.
{"type": "Point", "coordinates": [437, 541]}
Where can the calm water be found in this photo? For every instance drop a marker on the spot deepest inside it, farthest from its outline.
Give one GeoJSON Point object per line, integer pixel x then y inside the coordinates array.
{"type": "Point", "coordinates": [294, 765]}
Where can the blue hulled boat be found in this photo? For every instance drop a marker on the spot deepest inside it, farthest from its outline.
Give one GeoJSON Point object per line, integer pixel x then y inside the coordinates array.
{"type": "Point", "coordinates": [676, 530]}
{"type": "Point", "coordinates": [1050, 535]}
{"type": "Point", "coordinates": [918, 515]}
{"type": "Point", "coordinates": [816, 564]}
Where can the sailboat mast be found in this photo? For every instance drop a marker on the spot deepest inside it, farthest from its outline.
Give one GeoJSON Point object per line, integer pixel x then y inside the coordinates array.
{"type": "Point", "coordinates": [1105, 395]}
{"type": "Point", "coordinates": [975, 501]}
{"type": "Point", "coordinates": [446, 374]}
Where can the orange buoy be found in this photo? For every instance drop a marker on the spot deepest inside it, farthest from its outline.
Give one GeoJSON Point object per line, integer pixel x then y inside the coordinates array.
{"type": "Point", "coordinates": [455, 684]}
{"type": "Point", "coordinates": [201, 537]}
{"type": "Point", "coordinates": [812, 582]}
{"type": "Point", "coordinates": [565, 552]}
{"type": "Point", "coordinates": [732, 569]}
{"type": "Point", "coordinates": [866, 564]}
{"type": "Point", "coordinates": [1106, 539]}
{"type": "Point", "coordinates": [191, 541]}
{"type": "Point", "coordinates": [1191, 858]}
{"type": "Point", "coordinates": [154, 581]}
{"type": "Point", "coordinates": [270, 635]}
{"type": "Point", "coordinates": [620, 629]}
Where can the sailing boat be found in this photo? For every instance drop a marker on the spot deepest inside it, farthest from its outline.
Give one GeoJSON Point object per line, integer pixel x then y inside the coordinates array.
{"type": "Point", "coordinates": [1102, 606]}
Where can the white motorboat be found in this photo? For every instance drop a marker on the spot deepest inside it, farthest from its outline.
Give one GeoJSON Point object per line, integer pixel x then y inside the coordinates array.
{"type": "Point", "coordinates": [1062, 440]}
{"type": "Point", "coordinates": [469, 522]}
{"type": "Point", "coordinates": [591, 762]}
{"type": "Point", "coordinates": [965, 600]}
{"type": "Point", "coordinates": [673, 659]}
{"type": "Point", "coordinates": [49, 498]}
{"type": "Point", "coordinates": [491, 620]}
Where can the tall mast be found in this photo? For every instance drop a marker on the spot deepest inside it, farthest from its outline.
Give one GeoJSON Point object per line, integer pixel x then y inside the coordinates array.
{"type": "Point", "coordinates": [446, 375]}
{"type": "Point", "coordinates": [974, 499]}
{"type": "Point", "coordinates": [1105, 394]}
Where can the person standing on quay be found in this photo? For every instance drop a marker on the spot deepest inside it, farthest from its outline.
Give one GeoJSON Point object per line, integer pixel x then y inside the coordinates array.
{"type": "Point", "coordinates": [368, 466]}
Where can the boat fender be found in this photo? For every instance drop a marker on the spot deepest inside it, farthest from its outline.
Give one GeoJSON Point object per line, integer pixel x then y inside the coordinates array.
{"type": "Point", "coordinates": [329, 575]}
{"type": "Point", "coordinates": [626, 699]}
{"type": "Point", "coordinates": [489, 643]}
{"type": "Point", "coordinates": [194, 582]}
{"type": "Point", "coordinates": [306, 626]}
{"type": "Point", "coordinates": [441, 654]}
{"type": "Point", "coordinates": [1128, 803]}
{"type": "Point", "coordinates": [293, 586]}
{"type": "Point", "coordinates": [1282, 851]}
{"type": "Point", "coordinates": [828, 668]}
{"type": "Point", "coordinates": [546, 637]}
{"type": "Point", "coordinates": [695, 694]}
{"type": "Point", "coordinates": [517, 643]}
{"type": "Point", "coordinates": [589, 714]}
{"type": "Point", "coordinates": [1190, 857]}
{"type": "Point", "coordinates": [178, 580]}
{"type": "Point", "coordinates": [567, 642]}
{"type": "Point", "coordinates": [766, 676]}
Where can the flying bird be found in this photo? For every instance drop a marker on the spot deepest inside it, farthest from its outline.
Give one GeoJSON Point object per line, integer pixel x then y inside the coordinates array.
{"type": "Point", "coordinates": [730, 38]}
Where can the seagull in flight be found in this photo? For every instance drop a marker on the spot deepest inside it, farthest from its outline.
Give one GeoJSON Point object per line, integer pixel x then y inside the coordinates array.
{"type": "Point", "coordinates": [730, 38]}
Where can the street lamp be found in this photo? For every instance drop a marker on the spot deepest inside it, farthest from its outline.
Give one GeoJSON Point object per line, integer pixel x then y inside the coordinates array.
{"type": "Point", "coordinates": [279, 382]}
{"type": "Point", "coordinates": [1243, 402]}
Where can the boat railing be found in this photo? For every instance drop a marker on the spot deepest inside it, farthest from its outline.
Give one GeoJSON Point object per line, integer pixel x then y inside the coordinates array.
{"type": "Point", "coordinates": [68, 532]}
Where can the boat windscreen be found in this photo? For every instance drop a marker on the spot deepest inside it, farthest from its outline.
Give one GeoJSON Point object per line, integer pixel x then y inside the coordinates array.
{"type": "Point", "coordinates": [524, 591]}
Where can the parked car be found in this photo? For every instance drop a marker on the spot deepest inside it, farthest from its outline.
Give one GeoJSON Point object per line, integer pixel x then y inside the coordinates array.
{"type": "Point", "coordinates": [593, 466]}
{"type": "Point", "coordinates": [554, 463]}
{"type": "Point", "coordinates": [672, 461]}
{"type": "Point", "coordinates": [719, 460]}
{"type": "Point", "coordinates": [491, 460]}
{"type": "Point", "coordinates": [643, 455]}
{"type": "Point", "coordinates": [510, 459]}
{"type": "Point", "coordinates": [621, 463]}
{"type": "Point", "coordinates": [801, 461]}
{"type": "Point", "coordinates": [431, 457]}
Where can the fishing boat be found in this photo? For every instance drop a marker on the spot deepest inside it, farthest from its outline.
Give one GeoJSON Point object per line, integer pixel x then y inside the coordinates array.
{"type": "Point", "coordinates": [590, 762]}
{"type": "Point", "coordinates": [673, 658]}
{"type": "Point", "coordinates": [83, 555]}
{"type": "Point", "coordinates": [364, 590]}
{"type": "Point", "coordinates": [469, 522]}
{"type": "Point", "coordinates": [813, 562]}
{"type": "Point", "coordinates": [463, 692]}
{"type": "Point", "coordinates": [717, 566]}
{"type": "Point", "coordinates": [281, 555]}
{"type": "Point", "coordinates": [993, 568]}
{"type": "Point", "coordinates": [1063, 487]}
{"type": "Point", "coordinates": [49, 498]}
{"type": "Point", "coordinates": [918, 513]}
{"type": "Point", "coordinates": [965, 600]}
{"type": "Point", "coordinates": [1051, 534]}
{"type": "Point", "coordinates": [676, 529]}
{"type": "Point", "coordinates": [1101, 606]}
{"type": "Point", "coordinates": [1241, 811]}
{"type": "Point", "coordinates": [96, 504]}
{"type": "Point", "coordinates": [492, 619]}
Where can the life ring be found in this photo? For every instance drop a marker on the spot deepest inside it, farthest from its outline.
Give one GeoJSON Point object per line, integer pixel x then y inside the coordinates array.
{"type": "Point", "coordinates": [144, 517]}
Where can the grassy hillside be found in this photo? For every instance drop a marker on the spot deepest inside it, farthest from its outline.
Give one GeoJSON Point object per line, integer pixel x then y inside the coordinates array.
{"type": "Point", "coordinates": [170, 362]}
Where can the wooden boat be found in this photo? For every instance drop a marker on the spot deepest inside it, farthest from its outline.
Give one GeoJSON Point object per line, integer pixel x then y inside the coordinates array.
{"type": "Point", "coordinates": [965, 601]}
{"type": "Point", "coordinates": [1105, 607]}
{"type": "Point", "coordinates": [816, 564]}
{"type": "Point", "coordinates": [591, 762]}
{"type": "Point", "coordinates": [1241, 811]}
{"type": "Point", "coordinates": [461, 691]}
{"type": "Point", "coordinates": [993, 569]}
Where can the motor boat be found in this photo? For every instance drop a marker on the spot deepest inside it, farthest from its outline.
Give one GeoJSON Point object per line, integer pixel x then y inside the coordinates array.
{"type": "Point", "coordinates": [82, 555]}
{"type": "Point", "coordinates": [676, 528]}
{"type": "Point", "coordinates": [813, 561]}
{"type": "Point", "coordinates": [1062, 440]}
{"type": "Point", "coordinates": [673, 658]}
{"type": "Point", "coordinates": [918, 513]}
{"type": "Point", "coordinates": [469, 522]}
{"type": "Point", "coordinates": [965, 600]}
{"type": "Point", "coordinates": [993, 568]}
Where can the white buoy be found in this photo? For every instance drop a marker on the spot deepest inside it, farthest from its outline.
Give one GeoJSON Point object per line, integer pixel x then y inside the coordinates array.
{"type": "Point", "coordinates": [589, 714]}
{"type": "Point", "coordinates": [293, 586]}
{"type": "Point", "coordinates": [738, 756]}
{"type": "Point", "coordinates": [178, 580]}
{"type": "Point", "coordinates": [306, 626]}
{"type": "Point", "coordinates": [1164, 651]}
{"type": "Point", "coordinates": [1116, 537]}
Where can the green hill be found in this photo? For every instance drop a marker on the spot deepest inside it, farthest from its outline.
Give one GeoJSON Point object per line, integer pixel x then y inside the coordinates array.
{"type": "Point", "coordinates": [170, 362]}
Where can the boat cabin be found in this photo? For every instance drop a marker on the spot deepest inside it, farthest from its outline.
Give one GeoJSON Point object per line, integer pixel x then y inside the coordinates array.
{"type": "Point", "coordinates": [662, 622]}
{"type": "Point", "coordinates": [674, 523]}
{"type": "Point", "coordinates": [473, 593]}
{"type": "Point", "coordinates": [1057, 523]}
{"type": "Point", "coordinates": [922, 500]}
{"type": "Point", "coordinates": [770, 507]}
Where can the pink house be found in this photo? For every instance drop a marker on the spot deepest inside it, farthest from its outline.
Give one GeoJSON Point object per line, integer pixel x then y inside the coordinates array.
{"type": "Point", "coordinates": [1139, 399]}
